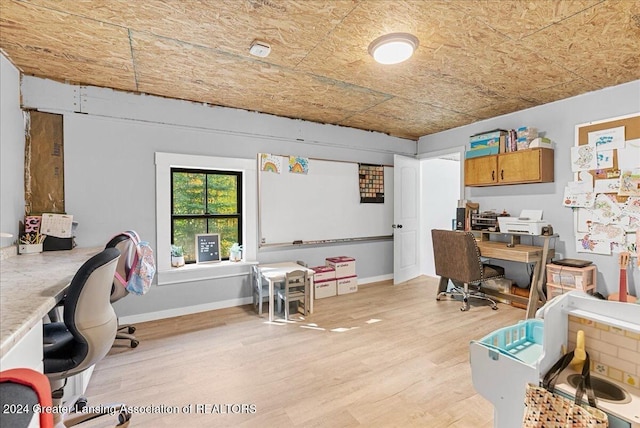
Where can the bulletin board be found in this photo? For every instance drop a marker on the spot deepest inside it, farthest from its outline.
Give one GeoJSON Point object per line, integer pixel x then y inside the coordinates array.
{"type": "Point", "coordinates": [606, 198]}
{"type": "Point", "coordinates": [318, 201]}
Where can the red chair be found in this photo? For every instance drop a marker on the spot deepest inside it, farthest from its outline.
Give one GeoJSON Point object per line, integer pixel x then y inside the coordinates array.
{"type": "Point", "coordinates": [20, 390]}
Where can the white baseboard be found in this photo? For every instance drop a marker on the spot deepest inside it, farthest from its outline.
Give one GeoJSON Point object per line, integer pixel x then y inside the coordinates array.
{"type": "Point", "coordinates": [380, 278]}
{"type": "Point", "coordinates": [188, 310]}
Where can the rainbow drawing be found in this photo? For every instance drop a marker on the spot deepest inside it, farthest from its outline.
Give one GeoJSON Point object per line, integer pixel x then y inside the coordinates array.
{"type": "Point", "coordinates": [270, 163]}
{"type": "Point", "coordinates": [298, 165]}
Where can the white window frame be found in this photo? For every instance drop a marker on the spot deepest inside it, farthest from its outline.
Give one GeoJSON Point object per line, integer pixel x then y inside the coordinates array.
{"type": "Point", "coordinates": [166, 274]}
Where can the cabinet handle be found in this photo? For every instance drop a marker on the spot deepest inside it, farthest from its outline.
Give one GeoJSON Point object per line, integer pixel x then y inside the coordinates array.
{"type": "Point", "coordinates": [502, 174]}
{"type": "Point", "coordinates": [493, 176]}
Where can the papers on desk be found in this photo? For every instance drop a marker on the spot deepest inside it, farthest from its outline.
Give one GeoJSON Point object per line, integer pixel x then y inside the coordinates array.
{"type": "Point", "coordinates": [58, 225]}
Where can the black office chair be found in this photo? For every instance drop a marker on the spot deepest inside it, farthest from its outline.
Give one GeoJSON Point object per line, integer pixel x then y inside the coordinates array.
{"type": "Point", "coordinates": [85, 335]}
{"type": "Point", "coordinates": [127, 250]}
{"type": "Point", "coordinates": [457, 257]}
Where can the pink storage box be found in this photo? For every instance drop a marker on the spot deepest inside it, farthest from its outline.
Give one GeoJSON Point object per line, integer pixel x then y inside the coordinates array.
{"type": "Point", "coordinates": [326, 288]}
{"type": "Point", "coordinates": [323, 273]}
{"type": "Point", "coordinates": [345, 266]}
{"type": "Point", "coordinates": [347, 285]}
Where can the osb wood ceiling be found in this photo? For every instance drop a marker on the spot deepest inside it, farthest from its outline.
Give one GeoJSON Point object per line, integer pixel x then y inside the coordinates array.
{"type": "Point", "coordinates": [476, 59]}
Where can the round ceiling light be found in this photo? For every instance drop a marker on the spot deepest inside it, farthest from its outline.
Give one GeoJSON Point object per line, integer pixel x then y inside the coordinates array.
{"type": "Point", "coordinates": [393, 48]}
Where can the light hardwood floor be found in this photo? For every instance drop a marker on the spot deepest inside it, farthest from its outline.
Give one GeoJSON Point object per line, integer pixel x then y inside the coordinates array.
{"type": "Point", "coordinates": [409, 369]}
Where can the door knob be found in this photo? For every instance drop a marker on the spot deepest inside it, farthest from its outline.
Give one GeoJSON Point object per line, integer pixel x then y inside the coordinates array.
{"type": "Point", "coordinates": [396, 226]}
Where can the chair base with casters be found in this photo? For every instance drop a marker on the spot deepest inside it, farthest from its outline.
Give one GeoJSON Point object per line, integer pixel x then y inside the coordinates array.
{"type": "Point", "coordinates": [462, 289]}
{"type": "Point", "coordinates": [457, 258]}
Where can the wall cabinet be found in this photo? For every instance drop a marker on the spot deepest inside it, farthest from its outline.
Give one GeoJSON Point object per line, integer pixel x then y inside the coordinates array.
{"type": "Point", "coordinates": [525, 166]}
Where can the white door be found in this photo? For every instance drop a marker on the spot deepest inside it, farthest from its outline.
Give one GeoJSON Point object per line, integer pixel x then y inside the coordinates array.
{"type": "Point", "coordinates": [438, 203]}
{"type": "Point", "coordinates": [406, 186]}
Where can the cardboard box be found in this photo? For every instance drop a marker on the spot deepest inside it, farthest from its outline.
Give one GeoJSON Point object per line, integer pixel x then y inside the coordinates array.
{"type": "Point", "coordinates": [502, 285]}
{"type": "Point", "coordinates": [323, 273]}
{"type": "Point", "coordinates": [493, 150]}
{"type": "Point", "coordinates": [522, 292]}
{"type": "Point", "coordinates": [345, 266]}
{"type": "Point", "coordinates": [323, 289]}
{"type": "Point", "coordinates": [347, 285]}
{"type": "Point", "coordinates": [487, 135]}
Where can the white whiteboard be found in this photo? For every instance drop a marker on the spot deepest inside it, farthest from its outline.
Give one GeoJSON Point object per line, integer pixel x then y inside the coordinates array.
{"type": "Point", "coordinates": [322, 205]}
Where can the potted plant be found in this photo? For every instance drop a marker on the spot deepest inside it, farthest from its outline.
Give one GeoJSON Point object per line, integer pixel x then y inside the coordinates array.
{"type": "Point", "coordinates": [177, 256]}
{"type": "Point", "coordinates": [235, 253]}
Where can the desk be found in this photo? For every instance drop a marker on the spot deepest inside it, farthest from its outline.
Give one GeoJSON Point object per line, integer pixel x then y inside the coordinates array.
{"type": "Point", "coordinates": [276, 272]}
{"type": "Point", "coordinates": [524, 254]}
{"type": "Point", "coordinates": [30, 286]}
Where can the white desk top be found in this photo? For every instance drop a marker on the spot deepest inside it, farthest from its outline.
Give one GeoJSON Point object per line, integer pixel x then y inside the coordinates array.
{"type": "Point", "coordinates": [278, 270]}
{"type": "Point", "coordinates": [30, 286]}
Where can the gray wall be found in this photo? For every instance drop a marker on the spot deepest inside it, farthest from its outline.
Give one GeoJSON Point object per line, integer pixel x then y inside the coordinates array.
{"type": "Point", "coordinates": [110, 173]}
{"type": "Point", "coordinates": [11, 151]}
{"type": "Point", "coordinates": [556, 121]}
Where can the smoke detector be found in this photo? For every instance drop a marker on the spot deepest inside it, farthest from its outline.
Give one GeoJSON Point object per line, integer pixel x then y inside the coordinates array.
{"type": "Point", "coordinates": [260, 49]}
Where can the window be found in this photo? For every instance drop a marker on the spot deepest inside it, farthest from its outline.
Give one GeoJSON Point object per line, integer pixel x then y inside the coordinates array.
{"type": "Point", "coordinates": [205, 201]}
{"type": "Point", "coordinates": [247, 168]}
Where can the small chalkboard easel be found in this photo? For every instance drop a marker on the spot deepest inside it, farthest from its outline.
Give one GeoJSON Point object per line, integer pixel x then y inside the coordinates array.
{"type": "Point", "coordinates": [208, 248]}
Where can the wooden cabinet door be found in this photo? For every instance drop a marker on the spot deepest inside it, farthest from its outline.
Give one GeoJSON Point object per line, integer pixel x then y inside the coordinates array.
{"type": "Point", "coordinates": [521, 166]}
{"type": "Point", "coordinates": [480, 171]}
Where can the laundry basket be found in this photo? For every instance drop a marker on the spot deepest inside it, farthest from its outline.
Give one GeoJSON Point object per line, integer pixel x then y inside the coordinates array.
{"type": "Point", "coordinates": [502, 363]}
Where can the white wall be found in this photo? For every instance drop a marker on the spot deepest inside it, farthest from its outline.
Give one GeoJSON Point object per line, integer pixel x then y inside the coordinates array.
{"type": "Point", "coordinates": [110, 142]}
{"type": "Point", "coordinates": [556, 121]}
{"type": "Point", "coordinates": [11, 151]}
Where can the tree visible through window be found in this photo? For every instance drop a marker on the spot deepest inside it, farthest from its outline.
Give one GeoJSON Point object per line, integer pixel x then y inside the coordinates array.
{"type": "Point", "coordinates": [205, 201]}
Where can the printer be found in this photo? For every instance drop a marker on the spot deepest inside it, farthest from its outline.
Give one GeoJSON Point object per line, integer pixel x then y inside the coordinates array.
{"type": "Point", "coordinates": [528, 223]}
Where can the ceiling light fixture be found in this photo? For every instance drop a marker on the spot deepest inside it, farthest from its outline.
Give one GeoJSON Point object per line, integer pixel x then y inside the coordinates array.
{"type": "Point", "coordinates": [393, 48]}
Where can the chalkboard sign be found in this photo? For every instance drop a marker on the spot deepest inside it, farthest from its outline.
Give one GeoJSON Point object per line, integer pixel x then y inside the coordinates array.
{"type": "Point", "coordinates": [208, 248]}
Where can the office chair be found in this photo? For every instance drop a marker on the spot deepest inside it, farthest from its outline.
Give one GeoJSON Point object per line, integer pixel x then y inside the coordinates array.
{"type": "Point", "coordinates": [84, 336]}
{"type": "Point", "coordinates": [20, 390]}
{"type": "Point", "coordinates": [295, 289]}
{"type": "Point", "coordinates": [457, 257]}
{"type": "Point", "coordinates": [127, 250]}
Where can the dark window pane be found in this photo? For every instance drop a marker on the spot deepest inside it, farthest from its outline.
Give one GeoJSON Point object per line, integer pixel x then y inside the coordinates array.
{"type": "Point", "coordinates": [188, 193]}
{"type": "Point", "coordinates": [222, 194]}
{"type": "Point", "coordinates": [184, 235]}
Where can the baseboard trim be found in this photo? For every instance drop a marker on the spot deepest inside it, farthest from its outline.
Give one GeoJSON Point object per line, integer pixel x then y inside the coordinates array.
{"type": "Point", "coordinates": [188, 310]}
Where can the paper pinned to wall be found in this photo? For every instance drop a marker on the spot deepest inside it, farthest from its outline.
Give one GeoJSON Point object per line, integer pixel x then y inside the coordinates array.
{"type": "Point", "coordinates": [270, 163]}
{"type": "Point", "coordinates": [578, 200]}
{"type": "Point", "coordinates": [607, 139]}
{"type": "Point", "coordinates": [607, 185]}
{"type": "Point", "coordinates": [585, 244]}
{"type": "Point", "coordinates": [630, 183]}
{"type": "Point", "coordinates": [583, 158]}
